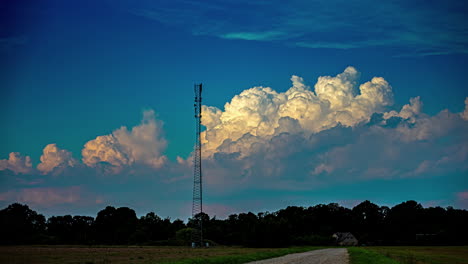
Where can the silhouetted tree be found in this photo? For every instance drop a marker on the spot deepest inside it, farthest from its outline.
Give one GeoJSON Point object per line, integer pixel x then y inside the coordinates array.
{"type": "Point", "coordinates": [407, 223]}
{"type": "Point", "coordinates": [149, 228]}
{"type": "Point", "coordinates": [115, 226]}
{"type": "Point", "coordinates": [177, 225]}
{"type": "Point", "coordinates": [404, 222]}
{"type": "Point", "coordinates": [21, 225]}
{"type": "Point", "coordinates": [60, 228]}
{"type": "Point", "coordinates": [367, 221]}
{"type": "Point", "coordinates": [82, 227]}
{"type": "Point", "coordinates": [184, 236]}
{"type": "Point", "coordinates": [456, 230]}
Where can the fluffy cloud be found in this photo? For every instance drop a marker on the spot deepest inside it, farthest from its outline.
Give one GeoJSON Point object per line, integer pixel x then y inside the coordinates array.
{"type": "Point", "coordinates": [430, 127]}
{"type": "Point", "coordinates": [16, 163]}
{"type": "Point", "coordinates": [339, 132]}
{"type": "Point", "coordinates": [464, 114]}
{"type": "Point", "coordinates": [54, 157]}
{"type": "Point", "coordinates": [423, 147]}
{"type": "Point", "coordinates": [261, 113]}
{"type": "Point", "coordinates": [304, 139]}
{"type": "Point", "coordinates": [409, 111]}
{"type": "Point", "coordinates": [143, 144]}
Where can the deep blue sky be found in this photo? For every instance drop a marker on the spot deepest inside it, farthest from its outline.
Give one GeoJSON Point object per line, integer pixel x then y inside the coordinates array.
{"type": "Point", "coordinates": [74, 70]}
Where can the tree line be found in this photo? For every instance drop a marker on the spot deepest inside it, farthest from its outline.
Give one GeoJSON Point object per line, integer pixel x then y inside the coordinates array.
{"type": "Point", "coordinates": [407, 223]}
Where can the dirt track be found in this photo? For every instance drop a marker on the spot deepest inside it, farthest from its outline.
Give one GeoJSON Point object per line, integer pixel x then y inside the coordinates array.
{"type": "Point", "coordinates": [321, 256]}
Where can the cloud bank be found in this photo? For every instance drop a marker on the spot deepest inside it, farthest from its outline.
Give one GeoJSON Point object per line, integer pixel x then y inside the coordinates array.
{"type": "Point", "coordinates": [143, 144]}
{"type": "Point", "coordinates": [53, 158]}
{"type": "Point", "coordinates": [261, 113]}
{"type": "Point", "coordinates": [44, 196]}
{"type": "Point", "coordinates": [337, 131]}
{"type": "Point", "coordinates": [464, 115]}
{"type": "Point", "coordinates": [16, 163]}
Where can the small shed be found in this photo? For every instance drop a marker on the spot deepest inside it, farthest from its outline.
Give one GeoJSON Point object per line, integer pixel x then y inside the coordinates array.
{"type": "Point", "coordinates": [345, 239]}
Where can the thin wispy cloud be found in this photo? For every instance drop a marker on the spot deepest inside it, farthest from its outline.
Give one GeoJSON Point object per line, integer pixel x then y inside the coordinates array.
{"type": "Point", "coordinates": [265, 36]}
{"type": "Point", "coordinates": [417, 28]}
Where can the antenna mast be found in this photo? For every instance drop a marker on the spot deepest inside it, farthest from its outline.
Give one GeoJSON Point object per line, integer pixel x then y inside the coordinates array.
{"type": "Point", "coordinates": [197, 205]}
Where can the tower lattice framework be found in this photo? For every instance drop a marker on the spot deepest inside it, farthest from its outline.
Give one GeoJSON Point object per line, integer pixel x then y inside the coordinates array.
{"type": "Point", "coordinates": [197, 204]}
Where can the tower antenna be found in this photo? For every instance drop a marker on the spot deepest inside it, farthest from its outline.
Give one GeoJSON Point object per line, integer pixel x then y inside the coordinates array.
{"type": "Point", "coordinates": [197, 204]}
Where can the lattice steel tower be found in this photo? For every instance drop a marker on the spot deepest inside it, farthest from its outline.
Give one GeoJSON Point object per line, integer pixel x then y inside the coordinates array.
{"type": "Point", "coordinates": [197, 205]}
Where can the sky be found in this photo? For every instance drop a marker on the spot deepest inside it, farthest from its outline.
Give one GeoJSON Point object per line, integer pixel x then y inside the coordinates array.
{"type": "Point", "coordinates": [305, 102]}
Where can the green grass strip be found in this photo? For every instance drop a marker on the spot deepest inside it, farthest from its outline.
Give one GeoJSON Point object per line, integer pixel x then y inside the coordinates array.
{"type": "Point", "coordinates": [363, 256]}
{"type": "Point", "coordinates": [239, 259]}
{"type": "Point", "coordinates": [425, 254]}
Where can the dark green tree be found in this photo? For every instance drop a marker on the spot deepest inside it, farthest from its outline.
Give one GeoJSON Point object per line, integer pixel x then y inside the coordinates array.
{"type": "Point", "coordinates": [21, 225]}
{"type": "Point", "coordinates": [116, 226]}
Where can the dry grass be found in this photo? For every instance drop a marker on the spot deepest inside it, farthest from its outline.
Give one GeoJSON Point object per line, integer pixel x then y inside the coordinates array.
{"type": "Point", "coordinates": [118, 254]}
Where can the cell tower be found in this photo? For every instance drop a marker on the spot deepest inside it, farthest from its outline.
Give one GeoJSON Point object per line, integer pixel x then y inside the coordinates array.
{"type": "Point", "coordinates": [197, 205]}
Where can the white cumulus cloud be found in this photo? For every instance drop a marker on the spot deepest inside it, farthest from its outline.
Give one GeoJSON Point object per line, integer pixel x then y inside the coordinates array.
{"type": "Point", "coordinates": [337, 131]}
{"type": "Point", "coordinates": [54, 157]}
{"type": "Point", "coordinates": [409, 111]}
{"type": "Point", "coordinates": [464, 114]}
{"type": "Point", "coordinates": [16, 163]}
{"type": "Point", "coordinates": [143, 144]}
{"type": "Point", "coordinates": [261, 113]}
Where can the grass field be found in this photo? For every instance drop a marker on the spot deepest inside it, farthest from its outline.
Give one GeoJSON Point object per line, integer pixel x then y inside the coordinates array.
{"type": "Point", "coordinates": [219, 255]}
{"type": "Point", "coordinates": [365, 256]}
{"type": "Point", "coordinates": [424, 255]}
{"type": "Point", "coordinates": [138, 255]}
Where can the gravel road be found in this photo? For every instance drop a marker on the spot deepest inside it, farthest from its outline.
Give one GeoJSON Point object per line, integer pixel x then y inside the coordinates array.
{"type": "Point", "coordinates": [321, 256]}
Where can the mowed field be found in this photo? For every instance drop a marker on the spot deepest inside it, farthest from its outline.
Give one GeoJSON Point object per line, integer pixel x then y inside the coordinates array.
{"type": "Point", "coordinates": [215, 255]}
{"type": "Point", "coordinates": [424, 255]}
{"type": "Point", "coordinates": [137, 255]}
